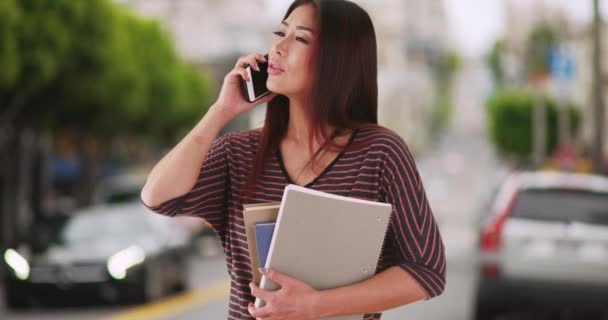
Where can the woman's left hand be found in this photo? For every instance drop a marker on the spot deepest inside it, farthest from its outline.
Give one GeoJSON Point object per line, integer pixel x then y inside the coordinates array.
{"type": "Point", "coordinates": [295, 300]}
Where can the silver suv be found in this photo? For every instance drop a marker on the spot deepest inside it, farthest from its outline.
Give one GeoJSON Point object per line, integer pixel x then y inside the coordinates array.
{"type": "Point", "coordinates": [544, 245]}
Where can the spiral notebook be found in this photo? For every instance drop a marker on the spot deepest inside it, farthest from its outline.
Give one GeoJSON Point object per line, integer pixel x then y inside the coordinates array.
{"type": "Point", "coordinates": [326, 240]}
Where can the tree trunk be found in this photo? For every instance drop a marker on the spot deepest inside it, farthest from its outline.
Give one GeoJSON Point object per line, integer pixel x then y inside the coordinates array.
{"type": "Point", "coordinates": [42, 176]}
{"type": "Point", "coordinates": [8, 192]}
{"type": "Point", "coordinates": [25, 161]}
{"type": "Point", "coordinates": [89, 153]}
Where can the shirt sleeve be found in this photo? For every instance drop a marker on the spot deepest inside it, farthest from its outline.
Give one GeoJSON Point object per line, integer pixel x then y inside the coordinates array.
{"type": "Point", "coordinates": [208, 197]}
{"type": "Point", "coordinates": [413, 236]}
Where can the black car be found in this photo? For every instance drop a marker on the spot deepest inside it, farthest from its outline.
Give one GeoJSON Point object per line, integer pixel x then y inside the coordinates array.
{"type": "Point", "coordinates": [117, 252]}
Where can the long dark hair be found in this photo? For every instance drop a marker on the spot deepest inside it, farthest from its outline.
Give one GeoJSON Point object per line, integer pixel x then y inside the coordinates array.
{"type": "Point", "coordinates": [344, 92]}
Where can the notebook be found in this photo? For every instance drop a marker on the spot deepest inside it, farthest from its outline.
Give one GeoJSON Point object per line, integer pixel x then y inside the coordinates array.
{"type": "Point", "coordinates": [252, 214]}
{"type": "Point", "coordinates": [326, 240]}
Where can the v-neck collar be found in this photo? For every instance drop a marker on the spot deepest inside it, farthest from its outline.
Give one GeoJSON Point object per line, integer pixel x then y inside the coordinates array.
{"type": "Point", "coordinates": [286, 174]}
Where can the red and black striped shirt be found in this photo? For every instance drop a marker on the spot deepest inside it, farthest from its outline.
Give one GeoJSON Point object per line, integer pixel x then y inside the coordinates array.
{"type": "Point", "coordinates": [382, 170]}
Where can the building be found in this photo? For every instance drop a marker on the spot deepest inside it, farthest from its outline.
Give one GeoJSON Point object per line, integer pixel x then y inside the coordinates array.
{"type": "Point", "coordinates": [410, 33]}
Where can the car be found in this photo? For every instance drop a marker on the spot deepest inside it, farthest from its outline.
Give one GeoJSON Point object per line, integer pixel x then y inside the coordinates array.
{"type": "Point", "coordinates": [126, 188]}
{"type": "Point", "coordinates": [544, 245]}
{"type": "Point", "coordinates": [120, 188]}
{"type": "Point", "coordinates": [118, 252]}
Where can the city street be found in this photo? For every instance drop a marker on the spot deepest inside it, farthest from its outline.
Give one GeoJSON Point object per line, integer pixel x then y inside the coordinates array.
{"type": "Point", "coordinates": [104, 103]}
{"type": "Point", "coordinates": [457, 174]}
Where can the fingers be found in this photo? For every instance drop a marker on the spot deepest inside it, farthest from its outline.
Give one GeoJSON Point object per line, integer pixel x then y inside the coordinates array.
{"type": "Point", "coordinates": [259, 313]}
{"type": "Point", "coordinates": [277, 277]}
{"type": "Point", "coordinates": [253, 59]}
{"type": "Point", "coordinates": [250, 60]}
{"type": "Point", "coordinates": [260, 293]}
{"type": "Point", "coordinates": [236, 73]}
{"type": "Point", "coordinates": [243, 74]}
{"type": "Point", "coordinates": [239, 70]}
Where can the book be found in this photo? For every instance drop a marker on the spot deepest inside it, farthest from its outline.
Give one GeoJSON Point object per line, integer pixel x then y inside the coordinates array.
{"type": "Point", "coordinates": [252, 214]}
{"type": "Point", "coordinates": [326, 240]}
{"type": "Point", "coordinates": [263, 236]}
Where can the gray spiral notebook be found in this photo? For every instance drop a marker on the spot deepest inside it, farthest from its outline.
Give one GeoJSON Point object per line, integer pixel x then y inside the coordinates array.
{"type": "Point", "coordinates": [326, 240]}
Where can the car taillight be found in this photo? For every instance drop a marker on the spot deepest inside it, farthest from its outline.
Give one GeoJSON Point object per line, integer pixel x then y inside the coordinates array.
{"type": "Point", "coordinates": [491, 235]}
{"type": "Point", "coordinates": [490, 270]}
{"type": "Point", "coordinates": [490, 243]}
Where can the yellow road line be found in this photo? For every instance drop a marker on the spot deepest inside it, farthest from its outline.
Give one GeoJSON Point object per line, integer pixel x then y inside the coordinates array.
{"type": "Point", "coordinates": [176, 304]}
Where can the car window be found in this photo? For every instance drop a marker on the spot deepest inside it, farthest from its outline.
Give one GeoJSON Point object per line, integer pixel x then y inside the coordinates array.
{"type": "Point", "coordinates": [123, 197]}
{"type": "Point", "coordinates": [88, 227]}
{"type": "Point", "coordinates": [562, 205]}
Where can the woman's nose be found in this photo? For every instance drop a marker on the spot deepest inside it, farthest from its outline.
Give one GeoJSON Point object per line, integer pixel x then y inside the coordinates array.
{"type": "Point", "coordinates": [279, 48]}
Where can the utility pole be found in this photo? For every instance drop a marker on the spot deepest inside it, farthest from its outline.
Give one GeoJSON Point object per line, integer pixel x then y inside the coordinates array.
{"type": "Point", "coordinates": [539, 130]}
{"type": "Point", "coordinates": [599, 114]}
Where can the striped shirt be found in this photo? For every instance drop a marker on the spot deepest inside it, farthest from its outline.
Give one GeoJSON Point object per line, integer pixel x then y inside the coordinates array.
{"type": "Point", "coordinates": [382, 170]}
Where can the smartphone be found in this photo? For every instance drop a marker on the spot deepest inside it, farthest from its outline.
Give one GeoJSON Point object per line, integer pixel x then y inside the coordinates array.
{"type": "Point", "coordinates": [255, 88]}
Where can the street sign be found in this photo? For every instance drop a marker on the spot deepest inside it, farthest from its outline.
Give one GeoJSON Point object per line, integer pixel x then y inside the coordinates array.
{"type": "Point", "coordinates": [561, 64]}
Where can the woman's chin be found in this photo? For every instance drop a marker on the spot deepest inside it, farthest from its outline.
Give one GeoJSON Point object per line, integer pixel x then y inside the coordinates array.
{"type": "Point", "coordinates": [274, 88]}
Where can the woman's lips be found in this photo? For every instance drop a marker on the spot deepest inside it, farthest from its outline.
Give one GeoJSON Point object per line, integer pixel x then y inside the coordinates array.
{"type": "Point", "coordinates": [274, 69]}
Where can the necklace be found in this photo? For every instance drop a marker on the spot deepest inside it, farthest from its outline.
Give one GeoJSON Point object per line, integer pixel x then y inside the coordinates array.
{"type": "Point", "coordinates": [333, 135]}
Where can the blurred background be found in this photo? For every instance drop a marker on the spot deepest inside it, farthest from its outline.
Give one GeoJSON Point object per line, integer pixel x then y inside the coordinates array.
{"type": "Point", "coordinates": [501, 101]}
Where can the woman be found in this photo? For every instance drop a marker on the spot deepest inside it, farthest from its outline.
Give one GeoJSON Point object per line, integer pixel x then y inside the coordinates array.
{"type": "Point", "coordinates": [320, 132]}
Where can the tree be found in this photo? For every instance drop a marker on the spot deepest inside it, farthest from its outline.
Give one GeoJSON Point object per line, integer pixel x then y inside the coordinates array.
{"type": "Point", "coordinates": [444, 68]}
{"type": "Point", "coordinates": [89, 65]}
{"type": "Point", "coordinates": [9, 56]}
{"type": "Point", "coordinates": [95, 70]}
{"type": "Point", "coordinates": [541, 41]}
{"type": "Point", "coordinates": [494, 61]}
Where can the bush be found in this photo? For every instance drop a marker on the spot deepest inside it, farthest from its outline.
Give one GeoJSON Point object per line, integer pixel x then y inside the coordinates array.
{"type": "Point", "coordinates": [510, 122]}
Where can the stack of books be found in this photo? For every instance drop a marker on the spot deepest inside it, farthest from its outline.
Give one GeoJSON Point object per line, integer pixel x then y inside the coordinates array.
{"type": "Point", "coordinates": [322, 239]}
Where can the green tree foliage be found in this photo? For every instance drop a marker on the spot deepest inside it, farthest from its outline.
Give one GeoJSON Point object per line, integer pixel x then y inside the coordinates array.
{"type": "Point", "coordinates": [510, 122]}
{"type": "Point", "coordinates": [445, 67]}
{"type": "Point", "coordinates": [94, 67]}
{"type": "Point", "coordinates": [540, 42]}
{"type": "Point", "coordinates": [494, 61]}
{"type": "Point", "coordinates": [9, 56]}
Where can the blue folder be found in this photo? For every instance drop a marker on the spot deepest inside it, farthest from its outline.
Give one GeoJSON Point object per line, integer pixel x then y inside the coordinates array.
{"type": "Point", "coordinates": [263, 236]}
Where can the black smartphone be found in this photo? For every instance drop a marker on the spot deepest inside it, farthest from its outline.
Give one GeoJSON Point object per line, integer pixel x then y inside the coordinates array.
{"type": "Point", "coordinates": [255, 88]}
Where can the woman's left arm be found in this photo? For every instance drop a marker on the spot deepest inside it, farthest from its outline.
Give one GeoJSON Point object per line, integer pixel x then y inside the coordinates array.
{"type": "Point", "coordinates": [387, 290]}
{"type": "Point", "coordinates": [296, 300]}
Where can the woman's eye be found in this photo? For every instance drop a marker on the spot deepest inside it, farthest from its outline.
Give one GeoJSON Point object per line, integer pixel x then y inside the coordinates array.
{"type": "Point", "coordinates": [281, 34]}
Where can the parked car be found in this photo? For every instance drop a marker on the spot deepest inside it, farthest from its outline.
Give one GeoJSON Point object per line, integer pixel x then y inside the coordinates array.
{"type": "Point", "coordinates": [118, 252]}
{"type": "Point", "coordinates": [544, 245]}
{"type": "Point", "coordinates": [126, 188]}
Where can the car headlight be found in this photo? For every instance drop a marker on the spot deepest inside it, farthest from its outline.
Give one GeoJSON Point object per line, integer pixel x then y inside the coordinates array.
{"type": "Point", "coordinates": [120, 262]}
{"type": "Point", "coordinates": [18, 263]}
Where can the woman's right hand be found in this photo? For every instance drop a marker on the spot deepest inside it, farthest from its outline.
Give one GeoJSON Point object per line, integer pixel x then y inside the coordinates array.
{"type": "Point", "coordinates": [230, 99]}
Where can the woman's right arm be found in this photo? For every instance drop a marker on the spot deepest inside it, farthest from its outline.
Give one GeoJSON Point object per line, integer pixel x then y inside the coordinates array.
{"type": "Point", "coordinates": [176, 173]}
{"type": "Point", "coordinates": [179, 171]}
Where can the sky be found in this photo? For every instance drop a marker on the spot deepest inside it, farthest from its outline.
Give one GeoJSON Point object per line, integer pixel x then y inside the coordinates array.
{"type": "Point", "coordinates": [474, 25]}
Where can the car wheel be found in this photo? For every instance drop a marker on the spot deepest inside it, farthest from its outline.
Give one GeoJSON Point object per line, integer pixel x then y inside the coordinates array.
{"type": "Point", "coordinates": [483, 312]}
{"type": "Point", "coordinates": [153, 284]}
{"type": "Point", "coordinates": [16, 301]}
{"type": "Point", "coordinates": [180, 270]}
